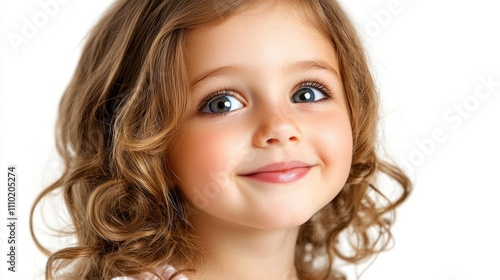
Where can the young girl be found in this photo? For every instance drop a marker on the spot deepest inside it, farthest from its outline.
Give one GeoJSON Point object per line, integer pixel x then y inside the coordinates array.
{"type": "Point", "coordinates": [221, 140]}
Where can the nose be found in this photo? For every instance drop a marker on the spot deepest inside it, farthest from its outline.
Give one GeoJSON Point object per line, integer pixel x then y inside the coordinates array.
{"type": "Point", "coordinates": [277, 130]}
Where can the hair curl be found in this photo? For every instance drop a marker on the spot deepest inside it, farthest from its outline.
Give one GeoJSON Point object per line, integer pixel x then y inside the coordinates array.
{"type": "Point", "coordinates": [116, 120]}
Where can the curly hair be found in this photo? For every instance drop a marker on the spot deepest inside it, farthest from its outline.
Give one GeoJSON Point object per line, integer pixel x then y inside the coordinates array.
{"type": "Point", "coordinates": [116, 122]}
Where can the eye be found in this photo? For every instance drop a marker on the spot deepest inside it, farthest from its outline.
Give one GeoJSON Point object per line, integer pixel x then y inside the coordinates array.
{"type": "Point", "coordinates": [221, 103]}
{"type": "Point", "coordinates": [309, 93]}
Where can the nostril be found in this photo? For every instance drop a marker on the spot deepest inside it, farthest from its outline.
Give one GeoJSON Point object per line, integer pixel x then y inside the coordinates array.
{"type": "Point", "coordinates": [276, 140]}
{"type": "Point", "coordinates": [271, 141]}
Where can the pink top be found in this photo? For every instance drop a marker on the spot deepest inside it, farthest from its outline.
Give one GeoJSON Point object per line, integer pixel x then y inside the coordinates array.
{"type": "Point", "coordinates": [165, 275]}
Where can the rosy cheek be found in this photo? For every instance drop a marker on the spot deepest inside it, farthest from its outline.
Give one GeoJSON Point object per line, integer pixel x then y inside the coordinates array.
{"type": "Point", "coordinates": [335, 140]}
{"type": "Point", "coordinates": [205, 150]}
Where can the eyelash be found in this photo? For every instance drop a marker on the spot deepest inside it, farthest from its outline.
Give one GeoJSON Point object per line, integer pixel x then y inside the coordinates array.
{"type": "Point", "coordinates": [206, 100]}
{"type": "Point", "coordinates": [227, 91]}
{"type": "Point", "coordinates": [318, 85]}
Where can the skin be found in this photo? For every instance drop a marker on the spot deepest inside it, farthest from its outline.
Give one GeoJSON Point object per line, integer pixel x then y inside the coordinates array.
{"type": "Point", "coordinates": [263, 55]}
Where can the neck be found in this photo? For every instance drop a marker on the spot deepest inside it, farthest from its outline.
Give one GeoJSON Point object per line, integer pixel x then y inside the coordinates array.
{"type": "Point", "coordinates": [238, 252]}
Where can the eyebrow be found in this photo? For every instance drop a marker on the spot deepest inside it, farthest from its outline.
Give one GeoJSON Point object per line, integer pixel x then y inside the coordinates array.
{"type": "Point", "coordinates": [289, 68]}
{"type": "Point", "coordinates": [310, 65]}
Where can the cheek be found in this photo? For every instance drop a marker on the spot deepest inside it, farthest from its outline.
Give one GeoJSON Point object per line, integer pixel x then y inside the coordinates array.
{"type": "Point", "coordinates": [335, 143]}
{"type": "Point", "coordinates": [204, 156]}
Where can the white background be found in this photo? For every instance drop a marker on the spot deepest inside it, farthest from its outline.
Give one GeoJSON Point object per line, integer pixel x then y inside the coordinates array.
{"type": "Point", "coordinates": [428, 58]}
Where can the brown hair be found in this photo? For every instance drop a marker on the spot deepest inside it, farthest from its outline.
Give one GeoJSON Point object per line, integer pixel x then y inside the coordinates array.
{"type": "Point", "coordinates": [116, 120]}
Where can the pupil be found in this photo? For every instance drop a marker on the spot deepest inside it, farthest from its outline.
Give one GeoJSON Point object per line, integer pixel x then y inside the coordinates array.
{"type": "Point", "coordinates": [306, 96]}
{"type": "Point", "coordinates": [221, 104]}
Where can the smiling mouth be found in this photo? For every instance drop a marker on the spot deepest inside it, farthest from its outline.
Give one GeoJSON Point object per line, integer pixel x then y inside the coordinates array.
{"type": "Point", "coordinates": [280, 173]}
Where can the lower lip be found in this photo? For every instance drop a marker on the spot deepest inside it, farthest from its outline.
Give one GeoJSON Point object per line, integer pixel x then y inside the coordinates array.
{"type": "Point", "coordinates": [281, 177]}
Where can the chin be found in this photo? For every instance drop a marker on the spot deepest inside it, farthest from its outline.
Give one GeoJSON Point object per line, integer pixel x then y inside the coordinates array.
{"type": "Point", "coordinates": [284, 219]}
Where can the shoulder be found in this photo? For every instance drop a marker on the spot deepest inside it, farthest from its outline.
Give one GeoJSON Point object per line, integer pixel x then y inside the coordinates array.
{"type": "Point", "coordinates": [165, 272]}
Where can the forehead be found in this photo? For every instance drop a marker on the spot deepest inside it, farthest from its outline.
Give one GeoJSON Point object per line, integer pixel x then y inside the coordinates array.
{"type": "Point", "coordinates": [258, 36]}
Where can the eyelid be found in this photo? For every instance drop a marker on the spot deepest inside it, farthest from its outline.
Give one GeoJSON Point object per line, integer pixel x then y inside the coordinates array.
{"type": "Point", "coordinates": [222, 92]}
{"type": "Point", "coordinates": [315, 84]}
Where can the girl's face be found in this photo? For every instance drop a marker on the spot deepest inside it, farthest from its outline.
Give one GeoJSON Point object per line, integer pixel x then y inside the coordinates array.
{"type": "Point", "coordinates": [269, 140]}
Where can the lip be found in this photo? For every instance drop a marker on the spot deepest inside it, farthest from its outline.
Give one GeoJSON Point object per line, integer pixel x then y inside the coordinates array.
{"type": "Point", "coordinates": [280, 173]}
